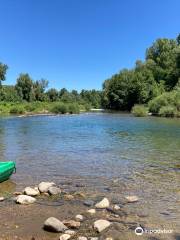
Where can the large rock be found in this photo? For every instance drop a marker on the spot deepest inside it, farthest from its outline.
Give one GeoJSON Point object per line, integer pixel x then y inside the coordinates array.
{"type": "Point", "coordinates": [104, 203]}
{"type": "Point", "coordinates": [82, 238]}
{"type": "Point", "coordinates": [65, 237]}
{"type": "Point", "coordinates": [24, 199]}
{"type": "Point", "coordinates": [44, 186]}
{"type": "Point", "coordinates": [54, 225]}
{"type": "Point", "coordinates": [72, 224]}
{"type": "Point", "coordinates": [31, 191]}
{"type": "Point", "coordinates": [54, 190]}
{"type": "Point", "coordinates": [2, 199]}
{"type": "Point", "coordinates": [101, 225]}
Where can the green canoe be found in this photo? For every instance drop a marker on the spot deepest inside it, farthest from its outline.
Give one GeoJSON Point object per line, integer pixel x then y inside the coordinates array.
{"type": "Point", "coordinates": [6, 170]}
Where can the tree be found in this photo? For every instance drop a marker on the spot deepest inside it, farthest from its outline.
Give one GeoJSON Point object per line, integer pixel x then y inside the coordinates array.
{"type": "Point", "coordinates": [53, 94]}
{"type": "Point", "coordinates": [39, 88]}
{"type": "Point", "coordinates": [24, 87]}
{"type": "Point", "coordinates": [3, 69]}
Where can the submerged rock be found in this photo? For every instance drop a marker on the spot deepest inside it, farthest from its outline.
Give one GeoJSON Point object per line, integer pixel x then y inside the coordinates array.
{"type": "Point", "coordinates": [101, 225]}
{"type": "Point", "coordinates": [31, 191]}
{"type": "Point", "coordinates": [72, 224]}
{"type": "Point", "coordinates": [79, 217]}
{"type": "Point", "coordinates": [68, 197]}
{"type": "Point", "coordinates": [65, 237]}
{"type": "Point", "coordinates": [91, 211]}
{"type": "Point", "coordinates": [44, 186]}
{"type": "Point", "coordinates": [82, 238]}
{"type": "Point", "coordinates": [24, 199]}
{"type": "Point", "coordinates": [54, 225]}
{"type": "Point", "coordinates": [132, 199]}
{"type": "Point", "coordinates": [103, 203]}
{"type": "Point", "coordinates": [54, 190]}
{"type": "Point", "coordinates": [89, 203]}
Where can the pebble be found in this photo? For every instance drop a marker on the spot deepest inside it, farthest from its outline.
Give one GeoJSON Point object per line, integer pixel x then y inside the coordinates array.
{"type": "Point", "coordinates": [72, 224]}
{"type": "Point", "coordinates": [79, 217]}
{"type": "Point", "coordinates": [24, 199]}
{"type": "Point", "coordinates": [54, 190]}
{"type": "Point", "coordinates": [70, 232]}
{"type": "Point", "coordinates": [44, 186]}
{"type": "Point", "coordinates": [91, 211]}
{"type": "Point", "coordinates": [104, 203]}
{"type": "Point", "coordinates": [2, 199]}
{"type": "Point", "coordinates": [82, 238]}
{"type": "Point", "coordinates": [54, 225]}
{"type": "Point", "coordinates": [89, 203]}
{"type": "Point", "coordinates": [101, 225]}
{"type": "Point", "coordinates": [116, 207]}
{"type": "Point", "coordinates": [69, 197]}
{"type": "Point", "coordinates": [132, 199]}
{"type": "Point", "coordinates": [65, 237]}
{"type": "Point", "coordinates": [31, 191]}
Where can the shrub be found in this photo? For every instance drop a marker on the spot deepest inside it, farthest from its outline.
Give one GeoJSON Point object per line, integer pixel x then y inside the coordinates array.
{"type": "Point", "coordinates": [139, 111]}
{"type": "Point", "coordinates": [59, 108]}
{"type": "Point", "coordinates": [73, 108]}
{"type": "Point", "coordinates": [17, 110]}
{"type": "Point", "coordinates": [157, 103]}
{"type": "Point", "coordinates": [168, 111]}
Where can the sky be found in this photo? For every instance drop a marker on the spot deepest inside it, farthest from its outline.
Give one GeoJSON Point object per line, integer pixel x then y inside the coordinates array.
{"type": "Point", "coordinates": [77, 44]}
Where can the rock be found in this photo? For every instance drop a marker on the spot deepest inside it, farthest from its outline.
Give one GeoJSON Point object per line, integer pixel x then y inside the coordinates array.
{"type": "Point", "coordinates": [109, 238]}
{"type": "Point", "coordinates": [79, 218]}
{"type": "Point", "coordinates": [17, 193]}
{"type": "Point", "coordinates": [72, 224]}
{"type": "Point", "coordinates": [117, 207]}
{"type": "Point", "coordinates": [82, 238]}
{"type": "Point", "coordinates": [89, 203]}
{"type": "Point", "coordinates": [54, 225]}
{"type": "Point", "coordinates": [132, 199]}
{"type": "Point", "coordinates": [2, 199]}
{"type": "Point", "coordinates": [103, 203]}
{"type": "Point", "coordinates": [70, 232]}
{"type": "Point", "coordinates": [91, 211]}
{"type": "Point", "coordinates": [65, 237]}
{"type": "Point", "coordinates": [94, 238]}
{"type": "Point", "coordinates": [69, 197]}
{"type": "Point", "coordinates": [24, 199]}
{"type": "Point", "coordinates": [101, 225]}
{"type": "Point", "coordinates": [44, 186]}
{"type": "Point", "coordinates": [31, 191]}
{"type": "Point", "coordinates": [80, 194]}
{"type": "Point", "coordinates": [54, 190]}
{"type": "Point", "coordinates": [80, 185]}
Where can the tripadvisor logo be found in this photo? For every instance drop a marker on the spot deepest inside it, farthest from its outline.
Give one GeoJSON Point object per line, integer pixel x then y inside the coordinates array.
{"type": "Point", "coordinates": [139, 231]}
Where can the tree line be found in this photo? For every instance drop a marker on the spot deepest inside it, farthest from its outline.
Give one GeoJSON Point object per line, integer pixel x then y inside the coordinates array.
{"type": "Point", "coordinates": [154, 83]}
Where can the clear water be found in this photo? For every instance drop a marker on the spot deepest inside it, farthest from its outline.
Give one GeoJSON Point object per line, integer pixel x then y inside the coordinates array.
{"type": "Point", "coordinates": [143, 153]}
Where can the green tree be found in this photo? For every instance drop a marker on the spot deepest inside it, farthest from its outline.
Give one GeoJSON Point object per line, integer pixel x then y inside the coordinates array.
{"type": "Point", "coordinates": [24, 87]}
{"type": "Point", "coordinates": [52, 94]}
{"type": "Point", "coordinates": [39, 88]}
{"type": "Point", "coordinates": [3, 69]}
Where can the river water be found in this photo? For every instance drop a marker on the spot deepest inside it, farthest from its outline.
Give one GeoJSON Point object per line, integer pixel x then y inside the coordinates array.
{"type": "Point", "coordinates": [104, 151]}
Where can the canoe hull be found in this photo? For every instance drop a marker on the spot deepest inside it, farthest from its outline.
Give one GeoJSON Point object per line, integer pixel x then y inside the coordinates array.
{"type": "Point", "coordinates": [6, 170]}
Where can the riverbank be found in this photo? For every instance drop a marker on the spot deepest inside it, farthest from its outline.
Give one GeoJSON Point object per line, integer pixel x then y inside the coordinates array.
{"type": "Point", "coordinates": [80, 210]}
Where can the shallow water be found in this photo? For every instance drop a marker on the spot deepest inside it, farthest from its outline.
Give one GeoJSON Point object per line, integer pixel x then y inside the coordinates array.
{"type": "Point", "coordinates": [142, 153]}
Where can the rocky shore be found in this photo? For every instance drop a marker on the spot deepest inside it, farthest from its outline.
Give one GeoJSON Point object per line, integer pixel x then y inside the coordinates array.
{"type": "Point", "coordinates": [49, 212]}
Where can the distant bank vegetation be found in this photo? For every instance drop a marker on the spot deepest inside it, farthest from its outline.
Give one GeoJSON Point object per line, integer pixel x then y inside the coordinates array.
{"type": "Point", "coordinates": [151, 86]}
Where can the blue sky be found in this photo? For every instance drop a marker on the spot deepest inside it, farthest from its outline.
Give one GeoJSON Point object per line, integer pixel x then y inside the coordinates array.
{"type": "Point", "coordinates": [79, 43]}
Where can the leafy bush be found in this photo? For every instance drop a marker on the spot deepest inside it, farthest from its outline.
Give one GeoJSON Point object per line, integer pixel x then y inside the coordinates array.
{"type": "Point", "coordinates": [59, 108]}
{"type": "Point", "coordinates": [139, 111]}
{"type": "Point", "coordinates": [73, 108]}
{"type": "Point", "coordinates": [17, 109]}
{"type": "Point", "coordinates": [168, 111]}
